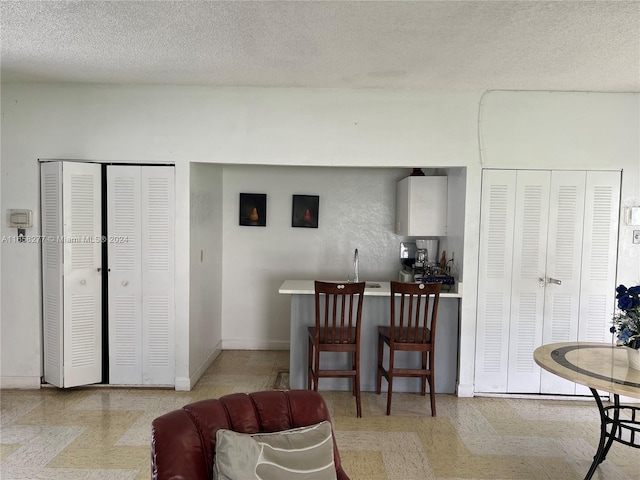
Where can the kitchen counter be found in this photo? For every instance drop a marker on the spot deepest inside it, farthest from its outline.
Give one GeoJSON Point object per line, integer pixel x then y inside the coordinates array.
{"type": "Point", "coordinates": [375, 312]}
{"type": "Point", "coordinates": [373, 289]}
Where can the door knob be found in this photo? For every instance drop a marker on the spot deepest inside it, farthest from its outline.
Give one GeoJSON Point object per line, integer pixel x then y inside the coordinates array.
{"type": "Point", "coordinates": [83, 282]}
{"type": "Point", "coordinates": [125, 283]}
{"type": "Point", "coordinates": [555, 281]}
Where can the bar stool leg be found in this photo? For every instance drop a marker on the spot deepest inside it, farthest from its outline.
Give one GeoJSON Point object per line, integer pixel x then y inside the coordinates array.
{"type": "Point", "coordinates": [432, 381]}
{"type": "Point", "coordinates": [309, 364]}
{"type": "Point", "coordinates": [390, 381]}
{"type": "Point", "coordinates": [353, 366]}
{"type": "Point", "coordinates": [379, 372]}
{"type": "Point", "coordinates": [357, 386]}
{"type": "Point", "coordinates": [423, 378]}
{"type": "Point", "coordinates": [316, 369]}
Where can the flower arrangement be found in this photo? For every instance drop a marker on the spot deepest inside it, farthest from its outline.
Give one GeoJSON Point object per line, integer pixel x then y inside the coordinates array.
{"type": "Point", "coordinates": [626, 321]}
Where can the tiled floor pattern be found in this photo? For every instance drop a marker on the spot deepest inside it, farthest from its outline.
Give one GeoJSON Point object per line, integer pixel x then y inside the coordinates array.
{"type": "Point", "coordinates": [103, 433]}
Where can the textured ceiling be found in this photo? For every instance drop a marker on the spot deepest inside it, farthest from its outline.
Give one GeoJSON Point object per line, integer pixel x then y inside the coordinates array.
{"type": "Point", "coordinates": [418, 45]}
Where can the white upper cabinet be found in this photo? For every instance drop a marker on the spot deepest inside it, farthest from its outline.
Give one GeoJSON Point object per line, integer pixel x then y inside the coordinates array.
{"type": "Point", "coordinates": [421, 206]}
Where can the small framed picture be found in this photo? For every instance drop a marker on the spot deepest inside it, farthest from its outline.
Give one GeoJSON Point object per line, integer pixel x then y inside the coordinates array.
{"type": "Point", "coordinates": [253, 209]}
{"type": "Point", "coordinates": [304, 211]}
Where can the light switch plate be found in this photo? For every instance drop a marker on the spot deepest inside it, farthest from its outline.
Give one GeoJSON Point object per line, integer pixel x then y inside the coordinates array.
{"type": "Point", "coordinates": [636, 236]}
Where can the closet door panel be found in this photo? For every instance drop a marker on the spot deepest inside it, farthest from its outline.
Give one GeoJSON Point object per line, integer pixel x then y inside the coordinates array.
{"type": "Point", "coordinates": [82, 257]}
{"type": "Point", "coordinates": [52, 293]}
{"type": "Point", "coordinates": [125, 286]}
{"type": "Point", "coordinates": [158, 309]}
{"type": "Point", "coordinates": [599, 247]}
{"type": "Point", "coordinates": [560, 281]}
{"type": "Point", "coordinates": [527, 290]}
{"type": "Point", "coordinates": [494, 280]}
{"type": "Point", "coordinates": [600, 239]}
{"type": "Point", "coordinates": [564, 261]}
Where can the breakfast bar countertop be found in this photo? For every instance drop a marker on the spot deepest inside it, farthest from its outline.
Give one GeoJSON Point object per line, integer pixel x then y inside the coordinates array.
{"type": "Point", "coordinates": [374, 289]}
{"type": "Point", "coordinates": [375, 313]}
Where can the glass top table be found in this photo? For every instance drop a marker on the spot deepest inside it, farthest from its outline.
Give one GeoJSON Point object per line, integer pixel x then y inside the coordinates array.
{"type": "Point", "coordinates": [604, 367]}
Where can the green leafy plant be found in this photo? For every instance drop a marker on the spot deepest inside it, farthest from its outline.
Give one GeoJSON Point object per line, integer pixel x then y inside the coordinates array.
{"type": "Point", "coordinates": [626, 321]}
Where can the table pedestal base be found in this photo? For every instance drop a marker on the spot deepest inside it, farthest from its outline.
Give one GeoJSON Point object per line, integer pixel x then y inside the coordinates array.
{"type": "Point", "coordinates": [619, 423]}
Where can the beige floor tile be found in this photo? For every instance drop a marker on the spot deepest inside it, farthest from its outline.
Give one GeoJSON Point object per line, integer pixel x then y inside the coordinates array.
{"type": "Point", "coordinates": [407, 465]}
{"type": "Point", "coordinates": [43, 447]}
{"type": "Point", "coordinates": [69, 474]}
{"type": "Point", "coordinates": [7, 449]}
{"type": "Point", "coordinates": [103, 433]}
{"type": "Point", "coordinates": [203, 392]}
{"type": "Point", "coordinates": [363, 465]}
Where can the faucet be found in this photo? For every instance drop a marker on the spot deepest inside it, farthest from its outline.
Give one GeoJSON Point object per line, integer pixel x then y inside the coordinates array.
{"type": "Point", "coordinates": [356, 277]}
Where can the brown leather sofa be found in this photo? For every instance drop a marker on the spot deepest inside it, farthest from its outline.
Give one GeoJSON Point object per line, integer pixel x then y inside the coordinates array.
{"type": "Point", "coordinates": [183, 442]}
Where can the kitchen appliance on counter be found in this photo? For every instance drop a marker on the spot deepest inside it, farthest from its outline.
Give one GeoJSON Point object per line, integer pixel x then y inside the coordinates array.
{"type": "Point", "coordinates": [406, 276]}
{"type": "Point", "coordinates": [419, 262]}
{"type": "Point", "coordinates": [430, 249]}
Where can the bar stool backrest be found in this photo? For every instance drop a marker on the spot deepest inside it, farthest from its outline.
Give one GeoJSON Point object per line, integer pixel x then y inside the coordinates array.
{"type": "Point", "coordinates": [414, 312]}
{"type": "Point", "coordinates": [338, 311]}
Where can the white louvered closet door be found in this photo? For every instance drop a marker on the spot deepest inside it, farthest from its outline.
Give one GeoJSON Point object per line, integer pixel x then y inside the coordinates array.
{"type": "Point", "coordinates": [494, 279]}
{"type": "Point", "coordinates": [52, 292]}
{"type": "Point", "coordinates": [564, 263]}
{"type": "Point", "coordinates": [141, 216]}
{"type": "Point", "coordinates": [72, 262]}
{"type": "Point", "coordinates": [158, 245]}
{"type": "Point", "coordinates": [125, 265]}
{"type": "Point", "coordinates": [527, 291]}
{"type": "Point", "coordinates": [546, 272]}
{"type": "Point", "coordinates": [599, 256]}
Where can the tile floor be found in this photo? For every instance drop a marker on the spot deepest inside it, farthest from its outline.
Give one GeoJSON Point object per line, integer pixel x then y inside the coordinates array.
{"type": "Point", "coordinates": [103, 433]}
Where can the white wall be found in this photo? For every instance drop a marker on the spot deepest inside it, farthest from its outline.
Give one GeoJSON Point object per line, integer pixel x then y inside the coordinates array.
{"type": "Point", "coordinates": [205, 274]}
{"type": "Point", "coordinates": [453, 243]}
{"type": "Point", "coordinates": [296, 127]}
{"type": "Point", "coordinates": [182, 125]}
{"type": "Point", "coordinates": [356, 210]}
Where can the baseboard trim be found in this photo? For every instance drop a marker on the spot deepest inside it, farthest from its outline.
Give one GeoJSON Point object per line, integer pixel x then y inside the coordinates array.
{"type": "Point", "coordinates": [195, 376]}
{"type": "Point", "coordinates": [183, 384]}
{"type": "Point", "coordinates": [241, 344]}
{"type": "Point", "coordinates": [465, 390]}
{"type": "Point", "coordinates": [535, 396]}
{"type": "Point", "coordinates": [20, 383]}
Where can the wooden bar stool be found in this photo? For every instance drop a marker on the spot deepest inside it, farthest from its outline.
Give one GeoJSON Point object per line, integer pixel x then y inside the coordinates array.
{"type": "Point", "coordinates": [413, 329]}
{"type": "Point", "coordinates": [338, 321]}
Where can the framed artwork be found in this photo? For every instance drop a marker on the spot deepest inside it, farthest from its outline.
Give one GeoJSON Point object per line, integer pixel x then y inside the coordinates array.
{"type": "Point", "coordinates": [304, 211]}
{"type": "Point", "coordinates": [253, 209]}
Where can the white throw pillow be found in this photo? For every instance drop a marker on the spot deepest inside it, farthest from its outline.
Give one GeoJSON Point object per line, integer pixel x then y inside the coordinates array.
{"type": "Point", "coordinates": [304, 453]}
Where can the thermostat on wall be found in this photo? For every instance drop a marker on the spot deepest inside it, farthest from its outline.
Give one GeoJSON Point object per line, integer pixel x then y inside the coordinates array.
{"type": "Point", "coordinates": [19, 218]}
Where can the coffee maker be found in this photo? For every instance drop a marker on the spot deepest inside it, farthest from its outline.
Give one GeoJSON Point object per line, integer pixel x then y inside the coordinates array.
{"type": "Point", "coordinates": [419, 262]}
{"type": "Point", "coordinates": [426, 254]}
